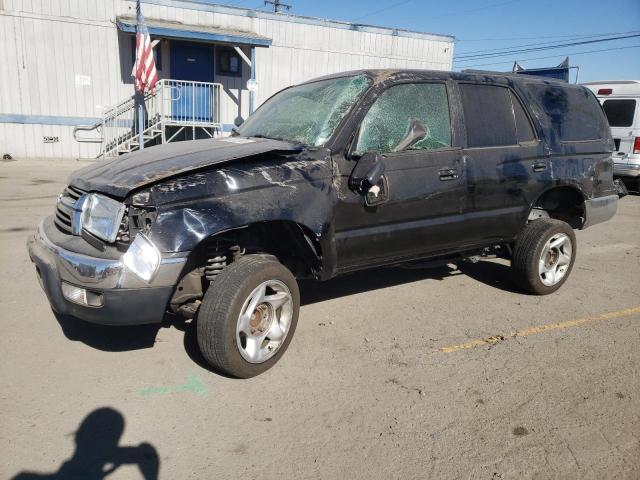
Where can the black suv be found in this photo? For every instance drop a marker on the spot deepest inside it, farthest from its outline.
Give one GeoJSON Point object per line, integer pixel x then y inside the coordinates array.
{"type": "Point", "coordinates": [342, 173]}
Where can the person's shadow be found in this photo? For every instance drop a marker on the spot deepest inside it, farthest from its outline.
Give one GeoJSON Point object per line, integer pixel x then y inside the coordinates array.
{"type": "Point", "coordinates": [97, 452]}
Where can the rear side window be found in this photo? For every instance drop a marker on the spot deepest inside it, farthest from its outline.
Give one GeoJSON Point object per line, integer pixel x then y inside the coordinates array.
{"type": "Point", "coordinates": [488, 116]}
{"type": "Point", "coordinates": [494, 116]}
{"type": "Point", "coordinates": [524, 131]}
{"type": "Point", "coordinates": [574, 113]}
{"type": "Point", "coordinates": [620, 112]}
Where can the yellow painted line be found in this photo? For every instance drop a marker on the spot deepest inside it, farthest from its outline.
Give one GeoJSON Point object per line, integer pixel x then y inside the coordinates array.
{"type": "Point", "coordinates": [541, 329]}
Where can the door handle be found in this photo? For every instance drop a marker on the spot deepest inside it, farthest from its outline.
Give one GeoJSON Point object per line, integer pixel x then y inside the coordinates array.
{"type": "Point", "coordinates": [539, 167]}
{"type": "Point", "coordinates": [448, 174]}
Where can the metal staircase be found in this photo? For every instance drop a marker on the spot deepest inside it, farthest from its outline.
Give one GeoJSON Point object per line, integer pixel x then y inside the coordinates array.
{"type": "Point", "coordinates": [176, 109]}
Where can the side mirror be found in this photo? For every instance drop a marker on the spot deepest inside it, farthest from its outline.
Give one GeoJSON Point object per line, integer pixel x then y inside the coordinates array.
{"type": "Point", "coordinates": [417, 132]}
{"type": "Point", "coordinates": [367, 172]}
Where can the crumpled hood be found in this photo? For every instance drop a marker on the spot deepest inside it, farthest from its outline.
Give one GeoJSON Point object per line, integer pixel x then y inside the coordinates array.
{"type": "Point", "coordinates": [122, 175]}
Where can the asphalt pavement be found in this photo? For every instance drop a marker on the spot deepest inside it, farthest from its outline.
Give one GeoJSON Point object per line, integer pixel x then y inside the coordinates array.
{"type": "Point", "coordinates": [450, 373]}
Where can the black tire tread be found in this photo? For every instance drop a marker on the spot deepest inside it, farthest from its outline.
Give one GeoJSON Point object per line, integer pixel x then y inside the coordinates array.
{"type": "Point", "coordinates": [213, 313]}
{"type": "Point", "coordinates": [526, 251]}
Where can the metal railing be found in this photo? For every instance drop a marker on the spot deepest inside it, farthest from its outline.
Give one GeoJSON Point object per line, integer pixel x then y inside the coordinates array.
{"type": "Point", "coordinates": [192, 102]}
{"type": "Point", "coordinates": [173, 106]}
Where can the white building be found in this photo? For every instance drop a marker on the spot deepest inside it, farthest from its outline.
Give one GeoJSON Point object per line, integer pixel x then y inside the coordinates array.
{"type": "Point", "coordinates": [64, 63]}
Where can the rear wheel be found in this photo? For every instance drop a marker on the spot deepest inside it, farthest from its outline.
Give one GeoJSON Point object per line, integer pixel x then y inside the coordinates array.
{"type": "Point", "coordinates": [248, 316]}
{"type": "Point", "coordinates": [543, 255]}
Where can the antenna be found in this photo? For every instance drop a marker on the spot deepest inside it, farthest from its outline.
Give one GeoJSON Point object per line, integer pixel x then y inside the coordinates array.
{"type": "Point", "coordinates": [277, 5]}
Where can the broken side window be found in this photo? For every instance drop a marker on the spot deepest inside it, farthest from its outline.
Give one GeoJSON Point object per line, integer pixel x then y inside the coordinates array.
{"type": "Point", "coordinates": [388, 120]}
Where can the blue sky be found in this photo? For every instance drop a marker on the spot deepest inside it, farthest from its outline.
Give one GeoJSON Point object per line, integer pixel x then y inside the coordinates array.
{"type": "Point", "coordinates": [512, 22]}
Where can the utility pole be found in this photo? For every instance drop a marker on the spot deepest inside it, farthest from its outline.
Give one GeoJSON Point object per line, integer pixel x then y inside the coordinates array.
{"type": "Point", "coordinates": [277, 5]}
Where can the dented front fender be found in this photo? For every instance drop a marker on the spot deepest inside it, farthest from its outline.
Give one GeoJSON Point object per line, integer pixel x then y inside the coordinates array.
{"type": "Point", "coordinates": [196, 206]}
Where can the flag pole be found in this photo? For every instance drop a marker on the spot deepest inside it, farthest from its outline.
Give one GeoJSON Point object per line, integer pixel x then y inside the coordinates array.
{"type": "Point", "coordinates": [141, 123]}
{"type": "Point", "coordinates": [144, 70]}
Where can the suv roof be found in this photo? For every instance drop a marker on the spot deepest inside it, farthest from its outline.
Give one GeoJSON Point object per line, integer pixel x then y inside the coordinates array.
{"type": "Point", "coordinates": [382, 74]}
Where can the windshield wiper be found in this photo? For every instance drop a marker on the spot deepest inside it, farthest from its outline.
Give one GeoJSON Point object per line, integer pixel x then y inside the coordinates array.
{"type": "Point", "coordinates": [295, 142]}
{"type": "Point", "coordinates": [259, 135]}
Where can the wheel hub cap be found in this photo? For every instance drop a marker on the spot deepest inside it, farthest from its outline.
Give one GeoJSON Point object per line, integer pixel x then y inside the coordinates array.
{"type": "Point", "coordinates": [261, 318]}
{"type": "Point", "coordinates": [264, 321]}
{"type": "Point", "coordinates": [555, 259]}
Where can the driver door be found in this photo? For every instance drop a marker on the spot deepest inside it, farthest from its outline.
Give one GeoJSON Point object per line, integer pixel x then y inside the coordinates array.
{"type": "Point", "coordinates": [422, 199]}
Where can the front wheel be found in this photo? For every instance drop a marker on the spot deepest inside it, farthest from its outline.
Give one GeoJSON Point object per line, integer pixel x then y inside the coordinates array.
{"type": "Point", "coordinates": [248, 316]}
{"type": "Point", "coordinates": [543, 255]}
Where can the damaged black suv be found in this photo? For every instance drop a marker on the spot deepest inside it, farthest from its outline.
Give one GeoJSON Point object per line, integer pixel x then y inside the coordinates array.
{"type": "Point", "coordinates": [339, 174]}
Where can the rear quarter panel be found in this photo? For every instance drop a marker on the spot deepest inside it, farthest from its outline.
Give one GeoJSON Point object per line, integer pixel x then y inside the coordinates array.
{"type": "Point", "coordinates": [575, 131]}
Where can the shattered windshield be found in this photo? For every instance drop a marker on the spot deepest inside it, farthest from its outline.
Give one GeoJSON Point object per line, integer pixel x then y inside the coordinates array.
{"type": "Point", "coordinates": [307, 113]}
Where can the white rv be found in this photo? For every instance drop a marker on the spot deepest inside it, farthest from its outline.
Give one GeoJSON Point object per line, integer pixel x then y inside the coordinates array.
{"type": "Point", "coordinates": [620, 101]}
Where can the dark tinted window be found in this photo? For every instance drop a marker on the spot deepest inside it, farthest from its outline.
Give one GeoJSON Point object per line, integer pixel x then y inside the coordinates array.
{"type": "Point", "coordinates": [524, 130]}
{"type": "Point", "coordinates": [488, 115]}
{"type": "Point", "coordinates": [620, 112]}
{"type": "Point", "coordinates": [574, 112]}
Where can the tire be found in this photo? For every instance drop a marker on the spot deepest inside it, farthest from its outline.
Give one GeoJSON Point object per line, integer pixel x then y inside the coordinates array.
{"type": "Point", "coordinates": [229, 296]}
{"type": "Point", "coordinates": [538, 275]}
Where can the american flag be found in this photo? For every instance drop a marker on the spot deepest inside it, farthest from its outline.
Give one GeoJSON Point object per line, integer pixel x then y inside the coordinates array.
{"type": "Point", "coordinates": [144, 69]}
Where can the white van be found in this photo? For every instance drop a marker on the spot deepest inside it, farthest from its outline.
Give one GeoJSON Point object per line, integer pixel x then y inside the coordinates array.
{"type": "Point", "coordinates": [620, 101]}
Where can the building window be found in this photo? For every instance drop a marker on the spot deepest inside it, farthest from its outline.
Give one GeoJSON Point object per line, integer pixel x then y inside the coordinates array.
{"type": "Point", "coordinates": [157, 53]}
{"type": "Point", "coordinates": [228, 62]}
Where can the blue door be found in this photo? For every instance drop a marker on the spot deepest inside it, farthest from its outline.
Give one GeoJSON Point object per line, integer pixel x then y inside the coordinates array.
{"type": "Point", "coordinates": [192, 102]}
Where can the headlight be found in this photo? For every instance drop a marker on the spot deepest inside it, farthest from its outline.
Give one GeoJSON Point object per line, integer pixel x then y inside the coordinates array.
{"type": "Point", "coordinates": [142, 258]}
{"type": "Point", "coordinates": [101, 216]}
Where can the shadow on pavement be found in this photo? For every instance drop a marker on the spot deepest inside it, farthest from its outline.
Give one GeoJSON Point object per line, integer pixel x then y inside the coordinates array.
{"type": "Point", "coordinates": [490, 273]}
{"type": "Point", "coordinates": [190, 342]}
{"type": "Point", "coordinates": [98, 454]}
{"type": "Point", "coordinates": [493, 274]}
{"type": "Point", "coordinates": [108, 338]}
{"type": "Point", "coordinates": [117, 339]}
{"type": "Point", "coordinates": [312, 291]}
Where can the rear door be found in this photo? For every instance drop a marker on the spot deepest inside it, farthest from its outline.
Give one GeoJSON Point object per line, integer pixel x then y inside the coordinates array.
{"type": "Point", "coordinates": [506, 162]}
{"type": "Point", "coordinates": [425, 186]}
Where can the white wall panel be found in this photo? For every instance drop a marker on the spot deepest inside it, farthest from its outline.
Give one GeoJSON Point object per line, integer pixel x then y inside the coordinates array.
{"type": "Point", "coordinates": [9, 65]}
{"type": "Point", "coordinates": [67, 38]}
{"type": "Point", "coordinates": [23, 141]}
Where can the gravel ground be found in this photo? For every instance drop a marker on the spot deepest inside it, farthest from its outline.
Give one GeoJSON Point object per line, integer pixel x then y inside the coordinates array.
{"type": "Point", "coordinates": [392, 374]}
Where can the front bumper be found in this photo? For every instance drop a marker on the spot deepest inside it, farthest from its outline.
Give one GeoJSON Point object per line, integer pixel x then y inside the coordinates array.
{"type": "Point", "coordinates": [600, 209]}
{"type": "Point", "coordinates": [127, 299]}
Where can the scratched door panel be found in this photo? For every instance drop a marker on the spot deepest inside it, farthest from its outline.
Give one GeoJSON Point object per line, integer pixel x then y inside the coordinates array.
{"type": "Point", "coordinates": [423, 214]}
